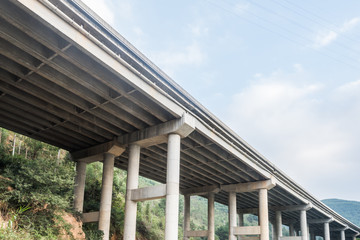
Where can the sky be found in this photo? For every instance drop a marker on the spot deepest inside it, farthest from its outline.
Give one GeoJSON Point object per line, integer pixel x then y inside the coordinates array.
{"type": "Point", "coordinates": [283, 74]}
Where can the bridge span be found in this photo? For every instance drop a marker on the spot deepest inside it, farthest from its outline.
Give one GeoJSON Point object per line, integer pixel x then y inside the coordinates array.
{"type": "Point", "coordinates": [68, 79]}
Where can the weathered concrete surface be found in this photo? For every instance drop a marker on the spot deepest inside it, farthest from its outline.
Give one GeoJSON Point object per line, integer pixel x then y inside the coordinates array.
{"type": "Point", "coordinates": [263, 214]}
{"type": "Point", "coordinates": [172, 187]}
{"type": "Point", "coordinates": [79, 186]}
{"type": "Point", "coordinates": [131, 184]}
{"type": "Point", "coordinates": [250, 186]}
{"type": "Point", "coordinates": [159, 133]}
{"type": "Point", "coordinates": [106, 194]}
{"type": "Point", "coordinates": [96, 153]}
{"type": "Point", "coordinates": [148, 193]}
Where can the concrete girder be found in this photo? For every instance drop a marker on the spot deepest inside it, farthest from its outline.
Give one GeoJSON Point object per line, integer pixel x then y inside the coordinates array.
{"type": "Point", "coordinates": [95, 153]}
{"type": "Point", "coordinates": [292, 208]}
{"type": "Point", "coordinates": [250, 186]}
{"type": "Point", "coordinates": [158, 134]}
{"type": "Point", "coordinates": [77, 34]}
{"type": "Point", "coordinates": [200, 190]}
{"type": "Point", "coordinates": [321, 220]}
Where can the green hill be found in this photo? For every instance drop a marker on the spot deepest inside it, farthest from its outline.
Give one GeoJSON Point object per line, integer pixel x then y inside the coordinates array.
{"type": "Point", "coordinates": [347, 209]}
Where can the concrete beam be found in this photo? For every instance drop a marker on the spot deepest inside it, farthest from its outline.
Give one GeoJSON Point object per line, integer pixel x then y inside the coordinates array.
{"type": "Point", "coordinates": [288, 208]}
{"type": "Point", "coordinates": [321, 220]}
{"type": "Point", "coordinates": [291, 238]}
{"type": "Point", "coordinates": [248, 230]}
{"type": "Point", "coordinates": [249, 186]}
{"type": "Point", "coordinates": [79, 186]}
{"type": "Point", "coordinates": [148, 193]}
{"type": "Point", "coordinates": [250, 238]}
{"type": "Point", "coordinates": [339, 229]}
{"type": "Point", "coordinates": [90, 217]}
{"type": "Point", "coordinates": [159, 134]}
{"type": "Point", "coordinates": [200, 190]}
{"type": "Point", "coordinates": [197, 233]}
{"type": "Point", "coordinates": [96, 153]}
{"type": "Point", "coordinates": [248, 211]}
{"type": "Point", "coordinates": [292, 208]}
{"type": "Point", "coordinates": [211, 216]}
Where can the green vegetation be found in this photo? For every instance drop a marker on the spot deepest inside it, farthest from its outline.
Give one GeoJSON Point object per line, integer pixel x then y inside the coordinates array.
{"type": "Point", "coordinates": [36, 192]}
{"type": "Point", "coordinates": [348, 209]}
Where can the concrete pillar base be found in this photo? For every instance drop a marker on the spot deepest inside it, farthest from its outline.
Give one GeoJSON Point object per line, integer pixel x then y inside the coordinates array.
{"type": "Point", "coordinates": [79, 186]}
{"type": "Point", "coordinates": [106, 194]}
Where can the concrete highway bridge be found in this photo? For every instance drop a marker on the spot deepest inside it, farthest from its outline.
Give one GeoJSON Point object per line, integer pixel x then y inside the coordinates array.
{"type": "Point", "coordinates": [68, 79]}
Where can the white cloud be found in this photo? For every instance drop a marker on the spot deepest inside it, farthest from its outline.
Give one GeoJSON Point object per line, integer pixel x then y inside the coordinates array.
{"type": "Point", "coordinates": [348, 25]}
{"type": "Point", "coordinates": [240, 8]}
{"type": "Point", "coordinates": [172, 60]}
{"type": "Point", "coordinates": [350, 87]}
{"type": "Point", "coordinates": [324, 38]}
{"type": "Point", "coordinates": [103, 9]}
{"type": "Point", "coordinates": [289, 121]}
{"type": "Point", "coordinates": [198, 30]}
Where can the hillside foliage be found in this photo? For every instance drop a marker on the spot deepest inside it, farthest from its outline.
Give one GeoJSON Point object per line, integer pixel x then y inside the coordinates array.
{"type": "Point", "coordinates": [36, 190]}
{"type": "Point", "coordinates": [348, 209]}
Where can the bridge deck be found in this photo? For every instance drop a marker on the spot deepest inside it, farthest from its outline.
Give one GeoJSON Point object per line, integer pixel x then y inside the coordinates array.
{"type": "Point", "coordinates": [68, 79]}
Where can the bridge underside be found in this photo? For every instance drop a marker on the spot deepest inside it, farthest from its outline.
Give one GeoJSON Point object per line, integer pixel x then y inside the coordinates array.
{"type": "Point", "coordinates": [67, 79]}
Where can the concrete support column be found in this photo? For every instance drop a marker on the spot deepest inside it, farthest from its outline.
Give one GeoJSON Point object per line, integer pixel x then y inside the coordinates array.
{"type": "Point", "coordinates": [342, 234]}
{"type": "Point", "coordinates": [211, 216]}
{"type": "Point", "coordinates": [132, 183]}
{"type": "Point", "coordinates": [312, 236]}
{"type": "Point", "coordinates": [263, 214]}
{"type": "Point", "coordinates": [172, 187]}
{"type": "Point", "coordinates": [106, 194]}
{"type": "Point", "coordinates": [278, 225]}
{"type": "Point", "coordinates": [186, 215]}
{"type": "Point", "coordinates": [241, 220]}
{"type": "Point", "coordinates": [291, 230]}
{"type": "Point", "coordinates": [79, 186]}
{"type": "Point", "coordinates": [326, 231]}
{"type": "Point", "coordinates": [303, 225]}
{"type": "Point", "coordinates": [232, 215]}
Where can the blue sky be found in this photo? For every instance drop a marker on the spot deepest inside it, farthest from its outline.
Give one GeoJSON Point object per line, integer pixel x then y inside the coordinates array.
{"type": "Point", "coordinates": [283, 74]}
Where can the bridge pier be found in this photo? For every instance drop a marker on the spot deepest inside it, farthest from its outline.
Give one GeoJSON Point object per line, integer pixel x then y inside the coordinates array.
{"type": "Point", "coordinates": [208, 191]}
{"type": "Point", "coordinates": [262, 188]}
{"type": "Point", "coordinates": [291, 230]}
{"type": "Point", "coordinates": [211, 216]}
{"type": "Point", "coordinates": [326, 231]}
{"type": "Point", "coordinates": [106, 194]}
{"type": "Point", "coordinates": [79, 186]}
{"type": "Point", "coordinates": [232, 215]}
{"type": "Point", "coordinates": [278, 225]}
{"type": "Point", "coordinates": [105, 152]}
{"type": "Point", "coordinates": [132, 183]}
{"type": "Point", "coordinates": [172, 187]}
{"type": "Point", "coordinates": [303, 225]}
{"type": "Point", "coordinates": [170, 132]}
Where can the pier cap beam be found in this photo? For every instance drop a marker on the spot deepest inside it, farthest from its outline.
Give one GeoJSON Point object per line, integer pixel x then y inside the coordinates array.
{"type": "Point", "coordinates": [250, 186]}
{"type": "Point", "coordinates": [96, 153]}
{"type": "Point", "coordinates": [321, 220]}
{"type": "Point", "coordinates": [200, 190]}
{"type": "Point", "coordinates": [159, 134]}
{"type": "Point", "coordinates": [292, 208]}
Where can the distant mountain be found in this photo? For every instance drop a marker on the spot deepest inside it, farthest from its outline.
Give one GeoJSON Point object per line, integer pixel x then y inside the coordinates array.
{"type": "Point", "coordinates": [347, 209]}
